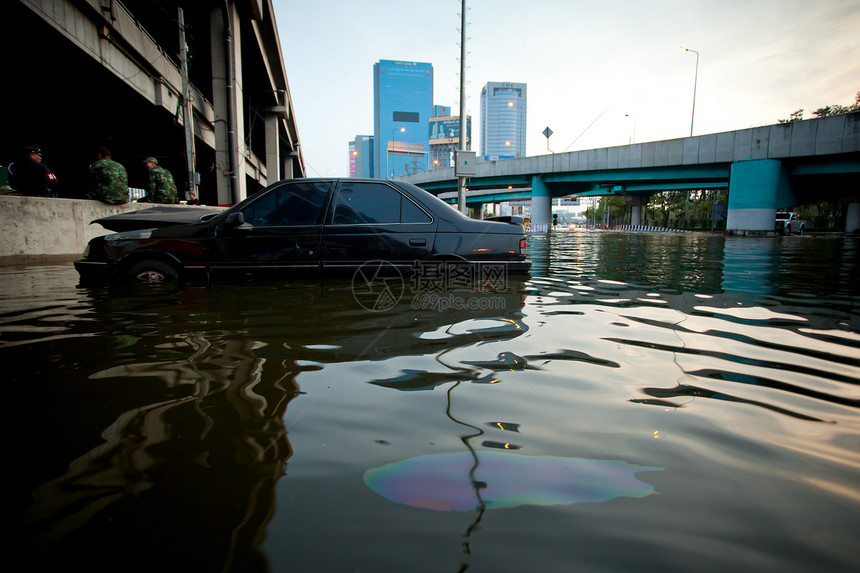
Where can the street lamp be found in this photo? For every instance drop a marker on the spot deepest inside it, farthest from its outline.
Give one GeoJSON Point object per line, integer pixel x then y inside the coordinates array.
{"type": "Point", "coordinates": [695, 83]}
{"type": "Point", "coordinates": [632, 139]}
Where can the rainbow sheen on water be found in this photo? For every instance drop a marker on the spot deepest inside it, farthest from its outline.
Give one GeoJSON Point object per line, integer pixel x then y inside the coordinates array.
{"type": "Point", "coordinates": [463, 482]}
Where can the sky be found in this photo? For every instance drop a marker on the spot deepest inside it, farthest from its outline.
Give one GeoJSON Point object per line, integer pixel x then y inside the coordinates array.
{"type": "Point", "coordinates": [599, 74]}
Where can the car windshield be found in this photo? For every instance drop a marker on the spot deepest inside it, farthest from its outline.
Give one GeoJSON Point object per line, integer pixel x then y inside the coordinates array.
{"type": "Point", "coordinates": [782, 215]}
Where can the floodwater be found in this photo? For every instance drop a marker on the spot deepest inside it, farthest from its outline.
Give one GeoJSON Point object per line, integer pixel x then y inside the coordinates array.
{"type": "Point", "coordinates": [641, 402]}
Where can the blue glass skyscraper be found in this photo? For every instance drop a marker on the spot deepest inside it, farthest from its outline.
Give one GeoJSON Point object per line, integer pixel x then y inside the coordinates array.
{"type": "Point", "coordinates": [503, 120]}
{"type": "Point", "coordinates": [402, 107]}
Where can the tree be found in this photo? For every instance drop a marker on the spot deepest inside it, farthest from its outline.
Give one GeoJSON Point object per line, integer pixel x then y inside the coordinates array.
{"type": "Point", "coordinates": [796, 116]}
{"type": "Point", "coordinates": [827, 110]}
{"type": "Point", "coordinates": [838, 109]}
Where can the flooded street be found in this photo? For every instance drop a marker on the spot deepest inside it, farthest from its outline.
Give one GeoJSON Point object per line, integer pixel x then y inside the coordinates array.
{"type": "Point", "coordinates": [641, 402]}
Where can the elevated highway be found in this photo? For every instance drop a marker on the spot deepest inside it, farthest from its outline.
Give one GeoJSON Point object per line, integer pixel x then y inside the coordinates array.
{"type": "Point", "coordinates": [80, 74]}
{"type": "Point", "coordinates": [764, 169]}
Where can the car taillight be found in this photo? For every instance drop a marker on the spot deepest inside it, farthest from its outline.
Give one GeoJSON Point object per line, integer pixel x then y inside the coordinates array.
{"type": "Point", "coordinates": [522, 245]}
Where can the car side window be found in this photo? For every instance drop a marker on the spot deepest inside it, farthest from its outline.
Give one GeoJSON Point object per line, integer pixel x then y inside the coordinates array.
{"type": "Point", "coordinates": [412, 213]}
{"type": "Point", "coordinates": [366, 203]}
{"type": "Point", "coordinates": [288, 205]}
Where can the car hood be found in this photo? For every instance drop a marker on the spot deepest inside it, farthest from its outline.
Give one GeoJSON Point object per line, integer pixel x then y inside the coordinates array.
{"type": "Point", "coordinates": [156, 217]}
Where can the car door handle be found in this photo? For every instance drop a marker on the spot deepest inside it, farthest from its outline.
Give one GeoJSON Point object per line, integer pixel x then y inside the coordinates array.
{"type": "Point", "coordinates": [417, 242]}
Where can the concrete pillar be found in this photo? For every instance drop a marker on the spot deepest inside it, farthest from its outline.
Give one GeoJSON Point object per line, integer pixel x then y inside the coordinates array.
{"type": "Point", "coordinates": [287, 173]}
{"type": "Point", "coordinates": [636, 214]}
{"type": "Point", "coordinates": [479, 211]}
{"type": "Point", "coordinates": [273, 150]}
{"type": "Point", "coordinates": [228, 105]}
{"type": "Point", "coordinates": [541, 219]}
{"type": "Point", "coordinates": [636, 202]}
{"type": "Point", "coordinates": [852, 217]}
{"type": "Point", "coordinates": [755, 189]}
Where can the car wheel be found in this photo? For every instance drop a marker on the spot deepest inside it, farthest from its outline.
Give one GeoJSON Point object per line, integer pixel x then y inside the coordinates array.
{"type": "Point", "coordinates": [152, 272]}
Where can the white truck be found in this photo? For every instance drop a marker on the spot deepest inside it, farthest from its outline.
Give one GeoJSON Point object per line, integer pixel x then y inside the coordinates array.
{"type": "Point", "coordinates": [788, 222]}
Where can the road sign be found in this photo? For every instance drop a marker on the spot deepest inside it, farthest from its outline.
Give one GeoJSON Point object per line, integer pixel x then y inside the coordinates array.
{"type": "Point", "coordinates": [547, 132]}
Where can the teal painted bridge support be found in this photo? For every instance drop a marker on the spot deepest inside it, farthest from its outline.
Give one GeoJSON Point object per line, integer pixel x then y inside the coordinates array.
{"type": "Point", "coordinates": [756, 189]}
{"type": "Point", "coordinates": [541, 217]}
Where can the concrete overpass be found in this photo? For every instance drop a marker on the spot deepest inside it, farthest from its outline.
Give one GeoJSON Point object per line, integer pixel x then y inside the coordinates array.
{"type": "Point", "coordinates": [80, 74]}
{"type": "Point", "coordinates": [764, 169]}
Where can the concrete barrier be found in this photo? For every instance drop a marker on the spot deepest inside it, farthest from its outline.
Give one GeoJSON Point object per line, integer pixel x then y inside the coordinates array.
{"type": "Point", "coordinates": [649, 229]}
{"type": "Point", "coordinates": [38, 228]}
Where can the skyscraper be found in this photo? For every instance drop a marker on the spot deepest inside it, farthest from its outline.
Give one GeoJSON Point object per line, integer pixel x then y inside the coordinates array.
{"type": "Point", "coordinates": [503, 120]}
{"type": "Point", "coordinates": [402, 107]}
{"type": "Point", "coordinates": [361, 156]}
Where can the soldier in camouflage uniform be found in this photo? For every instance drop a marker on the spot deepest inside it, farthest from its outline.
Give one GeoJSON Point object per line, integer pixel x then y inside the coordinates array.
{"type": "Point", "coordinates": [161, 188]}
{"type": "Point", "coordinates": [110, 180]}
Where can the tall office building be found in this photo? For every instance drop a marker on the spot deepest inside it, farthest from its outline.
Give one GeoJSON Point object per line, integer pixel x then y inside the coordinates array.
{"type": "Point", "coordinates": [503, 121]}
{"type": "Point", "coordinates": [361, 156]}
{"type": "Point", "coordinates": [402, 107]}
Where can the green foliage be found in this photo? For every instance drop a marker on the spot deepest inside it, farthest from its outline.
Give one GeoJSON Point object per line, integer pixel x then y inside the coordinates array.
{"type": "Point", "coordinates": [671, 209]}
{"type": "Point", "coordinates": [827, 110]}
{"type": "Point", "coordinates": [684, 209]}
{"type": "Point", "coordinates": [796, 116]}
{"type": "Point", "coordinates": [823, 216]}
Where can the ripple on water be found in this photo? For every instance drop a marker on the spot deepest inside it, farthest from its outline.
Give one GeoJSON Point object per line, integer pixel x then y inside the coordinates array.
{"type": "Point", "coordinates": [702, 362]}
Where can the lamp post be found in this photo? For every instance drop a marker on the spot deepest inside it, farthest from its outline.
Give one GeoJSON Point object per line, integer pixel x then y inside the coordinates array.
{"type": "Point", "coordinates": [633, 138]}
{"type": "Point", "coordinates": [695, 83]}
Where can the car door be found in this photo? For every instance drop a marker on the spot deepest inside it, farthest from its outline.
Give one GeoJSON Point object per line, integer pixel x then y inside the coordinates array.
{"type": "Point", "coordinates": [281, 233]}
{"type": "Point", "coordinates": [372, 220]}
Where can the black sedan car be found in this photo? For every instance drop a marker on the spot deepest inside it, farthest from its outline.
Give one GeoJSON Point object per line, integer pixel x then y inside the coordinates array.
{"type": "Point", "coordinates": [303, 227]}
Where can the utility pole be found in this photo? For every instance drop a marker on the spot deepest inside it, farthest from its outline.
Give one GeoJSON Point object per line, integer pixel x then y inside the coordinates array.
{"type": "Point", "coordinates": [461, 180]}
{"type": "Point", "coordinates": [187, 110]}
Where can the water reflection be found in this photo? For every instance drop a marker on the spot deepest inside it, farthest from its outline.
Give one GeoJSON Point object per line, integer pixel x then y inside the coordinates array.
{"type": "Point", "coordinates": [641, 259]}
{"type": "Point", "coordinates": [702, 263]}
{"type": "Point", "coordinates": [192, 462]}
{"type": "Point", "coordinates": [748, 265]}
{"type": "Point", "coordinates": [230, 426]}
{"type": "Point", "coordinates": [192, 387]}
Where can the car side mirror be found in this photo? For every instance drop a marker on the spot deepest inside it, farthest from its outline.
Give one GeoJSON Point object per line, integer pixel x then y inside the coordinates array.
{"type": "Point", "coordinates": [236, 219]}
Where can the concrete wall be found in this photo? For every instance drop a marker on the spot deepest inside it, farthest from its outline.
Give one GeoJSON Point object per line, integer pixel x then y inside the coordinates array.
{"type": "Point", "coordinates": [37, 228]}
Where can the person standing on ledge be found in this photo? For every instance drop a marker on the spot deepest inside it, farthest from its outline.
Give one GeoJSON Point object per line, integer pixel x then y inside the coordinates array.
{"type": "Point", "coordinates": [161, 188]}
{"type": "Point", "coordinates": [110, 179]}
